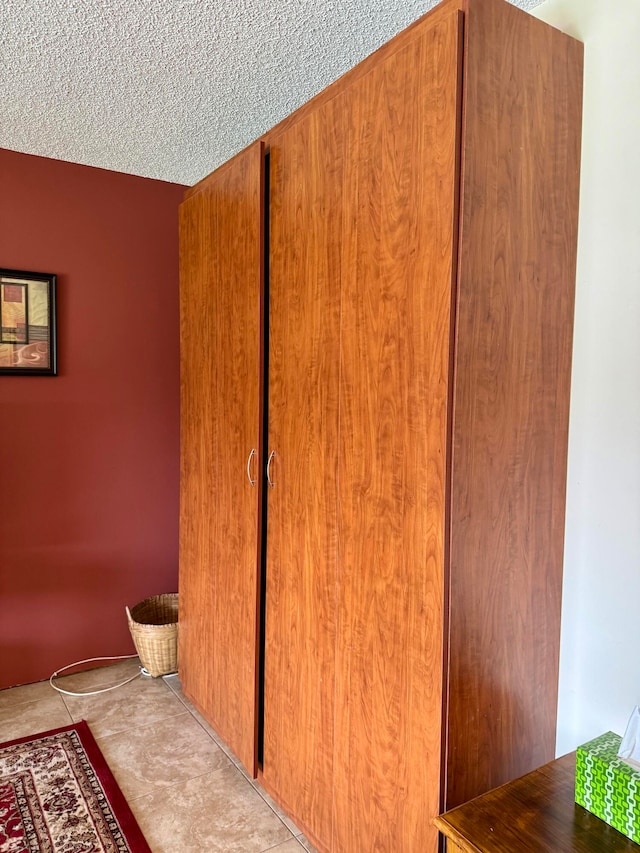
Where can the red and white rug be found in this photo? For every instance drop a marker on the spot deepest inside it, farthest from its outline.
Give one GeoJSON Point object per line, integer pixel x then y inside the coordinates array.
{"type": "Point", "coordinates": [57, 795]}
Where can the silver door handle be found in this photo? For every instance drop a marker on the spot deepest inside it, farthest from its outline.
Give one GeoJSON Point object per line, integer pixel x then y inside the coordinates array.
{"type": "Point", "coordinates": [251, 455]}
{"type": "Point", "coordinates": [271, 455]}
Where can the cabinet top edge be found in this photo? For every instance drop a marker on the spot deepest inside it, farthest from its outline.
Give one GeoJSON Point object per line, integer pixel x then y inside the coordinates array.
{"type": "Point", "coordinates": [463, 8]}
{"type": "Point", "coordinates": [397, 42]}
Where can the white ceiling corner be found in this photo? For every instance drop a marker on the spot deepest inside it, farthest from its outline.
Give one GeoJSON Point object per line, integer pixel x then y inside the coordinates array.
{"type": "Point", "coordinates": [170, 89]}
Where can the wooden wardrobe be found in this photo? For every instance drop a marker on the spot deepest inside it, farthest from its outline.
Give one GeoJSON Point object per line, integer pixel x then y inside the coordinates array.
{"type": "Point", "coordinates": [376, 324]}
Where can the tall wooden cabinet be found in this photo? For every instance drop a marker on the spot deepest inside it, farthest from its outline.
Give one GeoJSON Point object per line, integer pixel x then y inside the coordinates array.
{"type": "Point", "coordinates": [385, 645]}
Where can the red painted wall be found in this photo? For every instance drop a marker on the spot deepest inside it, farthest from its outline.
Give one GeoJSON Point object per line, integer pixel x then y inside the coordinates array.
{"type": "Point", "coordinates": [89, 459]}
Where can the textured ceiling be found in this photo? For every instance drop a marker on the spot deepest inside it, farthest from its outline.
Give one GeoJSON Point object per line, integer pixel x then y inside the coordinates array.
{"type": "Point", "coordinates": [170, 89]}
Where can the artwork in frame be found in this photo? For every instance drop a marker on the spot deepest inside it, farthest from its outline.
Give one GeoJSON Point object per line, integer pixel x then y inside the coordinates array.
{"type": "Point", "coordinates": [27, 323]}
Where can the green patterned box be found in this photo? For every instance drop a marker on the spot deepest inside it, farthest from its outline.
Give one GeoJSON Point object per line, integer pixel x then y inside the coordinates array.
{"type": "Point", "coordinates": [607, 786]}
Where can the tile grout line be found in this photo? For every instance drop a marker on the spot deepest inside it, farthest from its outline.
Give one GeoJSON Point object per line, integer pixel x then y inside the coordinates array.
{"type": "Point", "coordinates": [255, 785]}
{"type": "Point", "coordinates": [102, 717]}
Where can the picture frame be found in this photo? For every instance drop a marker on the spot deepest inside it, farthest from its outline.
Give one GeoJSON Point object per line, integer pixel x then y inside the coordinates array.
{"type": "Point", "coordinates": [27, 323]}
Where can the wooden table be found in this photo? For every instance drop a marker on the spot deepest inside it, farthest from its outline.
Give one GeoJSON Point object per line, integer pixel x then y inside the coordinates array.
{"type": "Point", "coordinates": [534, 813]}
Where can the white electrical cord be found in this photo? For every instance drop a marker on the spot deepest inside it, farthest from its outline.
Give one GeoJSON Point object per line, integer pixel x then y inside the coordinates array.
{"type": "Point", "coordinates": [143, 671]}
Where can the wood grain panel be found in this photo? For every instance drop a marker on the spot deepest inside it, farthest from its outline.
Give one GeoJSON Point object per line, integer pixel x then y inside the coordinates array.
{"type": "Point", "coordinates": [304, 334]}
{"type": "Point", "coordinates": [513, 355]}
{"type": "Point", "coordinates": [198, 444]}
{"type": "Point", "coordinates": [221, 419]}
{"type": "Point", "coordinates": [398, 251]}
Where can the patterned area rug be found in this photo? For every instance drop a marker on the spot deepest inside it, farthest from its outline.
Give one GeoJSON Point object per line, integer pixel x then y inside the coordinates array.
{"type": "Point", "coordinates": [57, 795]}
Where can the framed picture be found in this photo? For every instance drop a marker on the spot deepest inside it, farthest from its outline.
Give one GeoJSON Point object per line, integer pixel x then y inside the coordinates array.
{"type": "Point", "coordinates": [27, 323]}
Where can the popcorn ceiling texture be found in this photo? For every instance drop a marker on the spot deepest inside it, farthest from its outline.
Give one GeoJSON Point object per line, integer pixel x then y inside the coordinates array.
{"type": "Point", "coordinates": [170, 89]}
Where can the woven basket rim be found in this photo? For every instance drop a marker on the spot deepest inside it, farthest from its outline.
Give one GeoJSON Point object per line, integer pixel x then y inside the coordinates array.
{"type": "Point", "coordinates": [160, 606]}
{"type": "Point", "coordinates": [156, 641]}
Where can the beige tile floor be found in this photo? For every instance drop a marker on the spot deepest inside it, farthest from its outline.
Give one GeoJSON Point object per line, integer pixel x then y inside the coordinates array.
{"type": "Point", "coordinates": [186, 788]}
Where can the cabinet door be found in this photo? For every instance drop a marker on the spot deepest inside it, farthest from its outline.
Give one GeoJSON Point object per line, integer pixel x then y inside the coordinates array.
{"type": "Point", "coordinates": [220, 324]}
{"type": "Point", "coordinates": [307, 162]}
{"type": "Point", "coordinates": [397, 294]}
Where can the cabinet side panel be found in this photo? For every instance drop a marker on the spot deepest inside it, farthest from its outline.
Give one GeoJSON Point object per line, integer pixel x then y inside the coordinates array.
{"type": "Point", "coordinates": [307, 163]}
{"type": "Point", "coordinates": [221, 418]}
{"type": "Point", "coordinates": [520, 175]}
{"type": "Point", "coordinates": [398, 251]}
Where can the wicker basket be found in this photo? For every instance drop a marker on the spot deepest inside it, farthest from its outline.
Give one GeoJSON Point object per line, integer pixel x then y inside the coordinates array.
{"type": "Point", "coordinates": [154, 629]}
